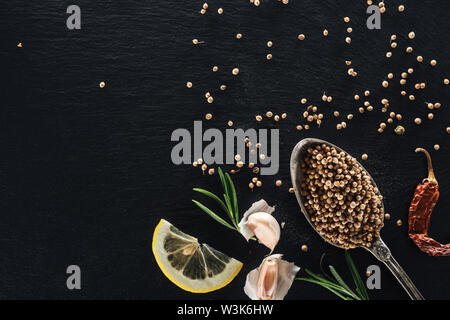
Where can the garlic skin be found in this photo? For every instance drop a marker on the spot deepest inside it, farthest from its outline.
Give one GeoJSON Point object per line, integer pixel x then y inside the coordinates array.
{"type": "Point", "coordinates": [271, 280]}
{"type": "Point", "coordinates": [258, 221]}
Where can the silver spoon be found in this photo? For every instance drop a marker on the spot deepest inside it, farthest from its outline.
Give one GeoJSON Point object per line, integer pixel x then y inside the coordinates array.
{"type": "Point", "coordinates": [378, 248]}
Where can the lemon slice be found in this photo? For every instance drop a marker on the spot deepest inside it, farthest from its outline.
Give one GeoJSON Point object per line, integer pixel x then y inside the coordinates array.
{"type": "Point", "coordinates": [192, 266]}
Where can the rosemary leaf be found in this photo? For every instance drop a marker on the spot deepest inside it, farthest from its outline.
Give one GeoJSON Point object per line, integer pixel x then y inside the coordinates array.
{"type": "Point", "coordinates": [356, 277]}
{"type": "Point", "coordinates": [213, 215]}
{"type": "Point", "coordinates": [339, 279]}
{"type": "Point", "coordinates": [213, 196]}
{"type": "Point", "coordinates": [233, 197]}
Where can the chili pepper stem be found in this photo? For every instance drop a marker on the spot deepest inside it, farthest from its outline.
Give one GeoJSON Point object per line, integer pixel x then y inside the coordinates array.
{"type": "Point", "coordinates": [431, 177]}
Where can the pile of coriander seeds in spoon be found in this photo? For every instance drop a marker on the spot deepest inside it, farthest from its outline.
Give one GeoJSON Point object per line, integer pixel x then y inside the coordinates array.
{"type": "Point", "coordinates": [340, 197]}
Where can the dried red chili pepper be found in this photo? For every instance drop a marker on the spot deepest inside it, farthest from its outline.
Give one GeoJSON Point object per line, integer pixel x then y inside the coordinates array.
{"type": "Point", "coordinates": [425, 198]}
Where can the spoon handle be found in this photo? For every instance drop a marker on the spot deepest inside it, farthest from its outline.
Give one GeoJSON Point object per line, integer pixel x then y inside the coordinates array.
{"type": "Point", "coordinates": [380, 250]}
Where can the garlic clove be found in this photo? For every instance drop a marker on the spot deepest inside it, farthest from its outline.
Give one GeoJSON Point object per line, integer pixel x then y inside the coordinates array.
{"type": "Point", "coordinates": [266, 229]}
{"type": "Point", "coordinates": [271, 280]}
{"type": "Point", "coordinates": [259, 206]}
{"type": "Point", "coordinates": [267, 280]}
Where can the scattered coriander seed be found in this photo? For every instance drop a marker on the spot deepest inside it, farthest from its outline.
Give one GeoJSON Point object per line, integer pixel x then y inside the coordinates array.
{"type": "Point", "coordinates": [383, 9]}
{"type": "Point", "coordinates": [239, 164]}
{"type": "Point", "coordinates": [304, 100]}
{"type": "Point", "coordinates": [329, 99]}
{"type": "Point", "coordinates": [220, 11]}
{"type": "Point", "coordinates": [299, 127]}
{"type": "Point", "coordinates": [339, 126]}
{"type": "Point", "coordinates": [269, 44]}
{"type": "Point", "coordinates": [103, 84]}
{"type": "Point", "coordinates": [356, 97]}
{"type": "Point", "coordinates": [237, 157]}
{"type": "Point", "coordinates": [199, 160]}
{"type": "Point", "coordinates": [259, 183]}
{"type": "Point", "coordinates": [403, 82]}
{"type": "Point", "coordinates": [412, 97]}
{"type": "Point", "coordinates": [403, 93]}
{"type": "Point", "coordinates": [410, 70]}
{"type": "Point", "coordinates": [417, 121]}
{"type": "Point", "coordinates": [390, 75]}
{"type": "Point", "coordinates": [446, 81]}
{"type": "Point", "coordinates": [347, 19]}
{"type": "Point", "coordinates": [283, 115]}
{"type": "Point", "coordinates": [291, 190]}
{"type": "Point", "coordinates": [430, 105]}
{"type": "Point", "coordinates": [195, 164]}
{"type": "Point", "coordinates": [258, 118]}
{"type": "Point", "coordinates": [196, 41]}
{"type": "Point", "coordinates": [336, 113]}
{"type": "Point", "coordinates": [401, 8]}
{"type": "Point", "coordinates": [348, 40]}
{"type": "Point", "coordinates": [368, 274]}
{"type": "Point", "coordinates": [349, 30]}
{"type": "Point", "coordinates": [447, 130]}
{"type": "Point", "coordinates": [367, 93]}
{"type": "Point", "coordinates": [385, 84]}
{"type": "Point", "coordinates": [230, 123]}
{"type": "Point", "coordinates": [399, 117]}
{"type": "Point", "coordinates": [387, 216]}
{"type": "Point", "coordinates": [390, 121]}
{"type": "Point", "coordinates": [364, 157]}
{"type": "Point", "coordinates": [208, 116]}
{"type": "Point", "coordinates": [256, 3]}
{"type": "Point", "coordinates": [304, 248]}
{"type": "Point", "coordinates": [422, 85]}
{"type": "Point", "coordinates": [239, 36]}
{"type": "Point", "coordinates": [204, 167]}
{"type": "Point", "coordinates": [210, 100]}
{"type": "Point", "coordinates": [399, 130]}
{"type": "Point", "coordinates": [211, 171]}
{"type": "Point", "coordinates": [383, 125]}
{"type": "Point", "coordinates": [411, 35]}
{"type": "Point", "coordinates": [301, 36]}
{"type": "Point", "coordinates": [215, 68]}
{"type": "Point", "coordinates": [203, 11]}
{"type": "Point", "coordinates": [433, 63]}
{"type": "Point", "coordinates": [325, 32]}
{"type": "Point", "coordinates": [189, 84]}
{"type": "Point", "coordinates": [394, 45]}
{"type": "Point", "coordinates": [436, 147]}
{"type": "Point", "coordinates": [419, 58]}
{"type": "Point", "coordinates": [430, 116]}
{"type": "Point", "coordinates": [409, 50]}
{"type": "Point", "coordinates": [235, 71]}
{"type": "Point", "coordinates": [437, 105]}
{"type": "Point", "coordinates": [350, 116]}
{"type": "Point", "coordinates": [251, 185]}
{"type": "Point", "coordinates": [399, 222]}
{"type": "Point", "coordinates": [361, 110]}
{"type": "Point", "coordinates": [417, 86]}
{"type": "Point", "coordinates": [278, 183]}
{"type": "Point", "coordinates": [269, 56]}
{"type": "Point", "coordinates": [205, 6]}
{"type": "Point", "coordinates": [388, 54]}
{"type": "Point", "coordinates": [276, 118]}
{"type": "Point", "coordinates": [223, 87]}
{"type": "Point", "coordinates": [269, 114]}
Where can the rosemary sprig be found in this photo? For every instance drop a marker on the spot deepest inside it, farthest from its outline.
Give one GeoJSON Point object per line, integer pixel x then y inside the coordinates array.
{"type": "Point", "coordinates": [229, 204]}
{"type": "Point", "coordinates": [337, 285]}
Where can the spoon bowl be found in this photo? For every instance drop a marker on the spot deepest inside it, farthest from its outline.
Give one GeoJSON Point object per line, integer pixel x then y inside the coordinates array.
{"type": "Point", "coordinates": [378, 247]}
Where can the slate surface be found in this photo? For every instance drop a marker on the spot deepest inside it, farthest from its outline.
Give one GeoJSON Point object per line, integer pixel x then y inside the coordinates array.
{"type": "Point", "coordinates": [86, 172]}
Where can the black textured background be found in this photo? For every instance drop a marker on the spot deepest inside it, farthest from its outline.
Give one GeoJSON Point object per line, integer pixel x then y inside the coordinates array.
{"type": "Point", "coordinates": [86, 172]}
